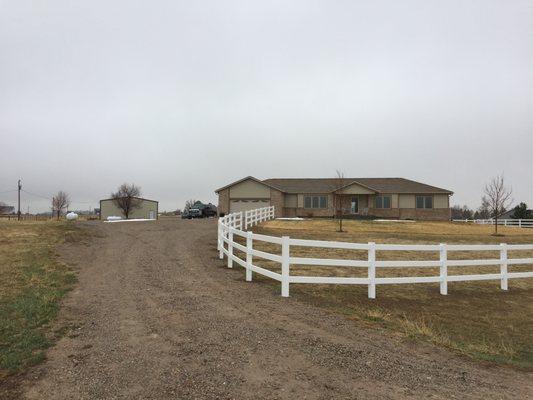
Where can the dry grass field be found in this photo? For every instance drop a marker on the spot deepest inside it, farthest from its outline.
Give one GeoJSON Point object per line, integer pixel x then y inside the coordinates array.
{"type": "Point", "coordinates": [475, 318]}
{"type": "Point", "coordinates": [33, 282]}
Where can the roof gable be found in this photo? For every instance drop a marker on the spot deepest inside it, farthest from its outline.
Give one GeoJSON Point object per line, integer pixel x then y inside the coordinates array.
{"type": "Point", "coordinates": [245, 179]}
{"type": "Point", "coordinates": [133, 197]}
{"type": "Point", "coordinates": [355, 188]}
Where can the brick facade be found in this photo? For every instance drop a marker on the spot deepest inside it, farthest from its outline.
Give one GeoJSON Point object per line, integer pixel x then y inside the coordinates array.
{"type": "Point", "coordinates": [391, 213]}
{"type": "Point", "coordinates": [277, 199]}
{"type": "Point", "coordinates": [314, 212]}
{"type": "Point", "coordinates": [435, 214]}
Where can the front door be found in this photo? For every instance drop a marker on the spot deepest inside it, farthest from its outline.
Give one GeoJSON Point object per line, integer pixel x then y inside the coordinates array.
{"type": "Point", "coordinates": [355, 205]}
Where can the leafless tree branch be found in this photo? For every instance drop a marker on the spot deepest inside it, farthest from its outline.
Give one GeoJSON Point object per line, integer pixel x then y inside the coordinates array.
{"type": "Point", "coordinates": [189, 204]}
{"type": "Point", "coordinates": [497, 198]}
{"type": "Point", "coordinates": [126, 198]}
{"type": "Point", "coordinates": [337, 197]}
{"type": "Point", "coordinates": [60, 202]}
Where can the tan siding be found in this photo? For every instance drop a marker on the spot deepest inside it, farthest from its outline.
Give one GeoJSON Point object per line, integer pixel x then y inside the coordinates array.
{"type": "Point", "coordinates": [394, 201]}
{"type": "Point", "coordinates": [440, 201]}
{"type": "Point", "coordinates": [407, 201]}
{"type": "Point", "coordinates": [249, 189]}
{"type": "Point", "coordinates": [355, 189]}
{"type": "Point", "coordinates": [109, 208]}
{"type": "Point", "coordinates": [223, 202]}
{"type": "Point", "coordinates": [291, 200]}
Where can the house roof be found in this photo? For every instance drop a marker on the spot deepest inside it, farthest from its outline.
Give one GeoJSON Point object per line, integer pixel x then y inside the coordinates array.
{"type": "Point", "coordinates": [328, 185]}
{"type": "Point", "coordinates": [133, 197]}
{"type": "Point", "coordinates": [245, 179]}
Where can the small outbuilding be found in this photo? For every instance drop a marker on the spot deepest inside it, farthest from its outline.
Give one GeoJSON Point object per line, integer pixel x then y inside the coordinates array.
{"type": "Point", "coordinates": [144, 209]}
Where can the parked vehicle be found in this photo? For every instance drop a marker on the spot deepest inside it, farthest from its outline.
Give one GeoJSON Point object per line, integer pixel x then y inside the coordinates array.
{"type": "Point", "coordinates": [194, 213]}
{"type": "Point", "coordinates": [209, 210]}
{"type": "Point", "coordinates": [200, 210]}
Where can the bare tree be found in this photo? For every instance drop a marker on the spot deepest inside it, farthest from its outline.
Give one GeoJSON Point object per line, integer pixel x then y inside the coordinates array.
{"type": "Point", "coordinates": [127, 198]}
{"type": "Point", "coordinates": [337, 198]}
{"type": "Point", "coordinates": [189, 204]}
{"type": "Point", "coordinates": [60, 202]}
{"type": "Point", "coordinates": [497, 198]}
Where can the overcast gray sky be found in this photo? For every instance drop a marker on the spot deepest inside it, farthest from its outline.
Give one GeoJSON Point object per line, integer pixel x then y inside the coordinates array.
{"type": "Point", "coordinates": [182, 97]}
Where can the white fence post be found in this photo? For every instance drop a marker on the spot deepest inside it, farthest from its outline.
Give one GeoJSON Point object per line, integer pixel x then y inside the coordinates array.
{"type": "Point", "coordinates": [519, 223]}
{"type": "Point", "coordinates": [443, 269]}
{"type": "Point", "coordinates": [228, 227]}
{"type": "Point", "coordinates": [220, 240]}
{"type": "Point", "coordinates": [503, 267]}
{"type": "Point", "coordinates": [249, 256]}
{"type": "Point", "coordinates": [218, 235]}
{"type": "Point", "coordinates": [230, 248]}
{"type": "Point", "coordinates": [372, 270]}
{"type": "Point", "coordinates": [285, 254]}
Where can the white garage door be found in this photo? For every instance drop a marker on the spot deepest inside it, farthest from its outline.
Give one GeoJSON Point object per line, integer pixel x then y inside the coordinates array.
{"type": "Point", "coordinates": [247, 204]}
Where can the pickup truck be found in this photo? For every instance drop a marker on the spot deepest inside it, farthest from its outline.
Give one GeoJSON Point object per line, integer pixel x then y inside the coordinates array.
{"type": "Point", "coordinates": [192, 213]}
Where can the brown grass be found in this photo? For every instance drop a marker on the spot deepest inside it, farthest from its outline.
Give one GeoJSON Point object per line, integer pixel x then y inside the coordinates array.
{"type": "Point", "coordinates": [476, 318]}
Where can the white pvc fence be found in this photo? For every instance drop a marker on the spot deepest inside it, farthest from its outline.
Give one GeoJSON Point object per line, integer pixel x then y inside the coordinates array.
{"type": "Point", "coordinates": [231, 226]}
{"type": "Point", "coordinates": [520, 223]}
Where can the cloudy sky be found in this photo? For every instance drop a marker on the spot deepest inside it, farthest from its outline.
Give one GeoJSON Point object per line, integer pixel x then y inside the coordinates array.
{"type": "Point", "coordinates": [182, 97]}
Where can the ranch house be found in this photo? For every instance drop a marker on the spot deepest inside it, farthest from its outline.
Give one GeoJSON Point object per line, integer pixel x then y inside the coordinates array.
{"type": "Point", "coordinates": [394, 198]}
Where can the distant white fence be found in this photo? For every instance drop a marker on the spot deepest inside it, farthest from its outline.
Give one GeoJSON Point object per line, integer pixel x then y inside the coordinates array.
{"type": "Point", "coordinates": [520, 223]}
{"type": "Point", "coordinates": [231, 225]}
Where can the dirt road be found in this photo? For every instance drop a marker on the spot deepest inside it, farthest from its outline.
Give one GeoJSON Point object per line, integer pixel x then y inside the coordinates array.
{"type": "Point", "coordinates": [160, 317]}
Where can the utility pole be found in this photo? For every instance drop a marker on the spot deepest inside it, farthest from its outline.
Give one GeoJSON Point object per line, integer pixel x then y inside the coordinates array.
{"type": "Point", "coordinates": [18, 213]}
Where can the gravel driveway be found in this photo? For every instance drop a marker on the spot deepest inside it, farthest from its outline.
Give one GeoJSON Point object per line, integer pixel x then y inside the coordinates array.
{"type": "Point", "coordinates": [158, 316]}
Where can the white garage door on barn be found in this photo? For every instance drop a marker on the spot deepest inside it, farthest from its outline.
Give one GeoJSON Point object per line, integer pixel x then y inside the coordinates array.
{"type": "Point", "coordinates": [237, 205]}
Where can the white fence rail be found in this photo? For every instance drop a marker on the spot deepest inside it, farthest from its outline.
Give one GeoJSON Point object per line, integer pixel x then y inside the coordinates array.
{"type": "Point", "coordinates": [520, 223]}
{"type": "Point", "coordinates": [231, 226]}
{"type": "Point", "coordinates": [253, 217]}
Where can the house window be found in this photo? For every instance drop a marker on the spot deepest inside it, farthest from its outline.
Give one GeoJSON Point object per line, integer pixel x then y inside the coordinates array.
{"type": "Point", "coordinates": [424, 201]}
{"type": "Point", "coordinates": [316, 202]}
{"type": "Point", "coordinates": [383, 202]}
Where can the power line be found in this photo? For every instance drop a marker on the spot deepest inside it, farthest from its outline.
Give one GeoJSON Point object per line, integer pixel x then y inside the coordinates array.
{"type": "Point", "coordinates": [37, 195]}
{"type": "Point", "coordinates": [8, 191]}
{"type": "Point", "coordinates": [49, 198]}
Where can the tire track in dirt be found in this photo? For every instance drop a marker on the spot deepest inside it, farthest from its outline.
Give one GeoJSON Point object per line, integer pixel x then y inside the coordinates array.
{"type": "Point", "coordinates": [161, 317]}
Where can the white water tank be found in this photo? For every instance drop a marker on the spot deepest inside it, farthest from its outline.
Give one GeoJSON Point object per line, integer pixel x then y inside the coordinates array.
{"type": "Point", "coordinates": [71, 216]}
